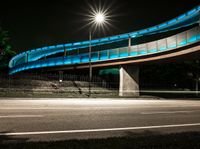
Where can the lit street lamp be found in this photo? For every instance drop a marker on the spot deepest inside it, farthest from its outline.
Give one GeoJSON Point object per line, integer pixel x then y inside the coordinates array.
{"type": "Point", "coordinates": [98, 19]}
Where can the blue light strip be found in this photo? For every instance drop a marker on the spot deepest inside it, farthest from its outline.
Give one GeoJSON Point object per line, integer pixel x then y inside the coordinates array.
{"type": "Point", "coordinates": [190, 37]}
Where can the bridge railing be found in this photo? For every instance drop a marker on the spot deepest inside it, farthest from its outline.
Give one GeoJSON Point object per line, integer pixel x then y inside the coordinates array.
{"type": "Point", "coordinates": [170, 43]}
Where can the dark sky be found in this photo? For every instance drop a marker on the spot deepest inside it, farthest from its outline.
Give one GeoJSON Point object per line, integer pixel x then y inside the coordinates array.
{"type": "Point", "coordinates": [35, 23]}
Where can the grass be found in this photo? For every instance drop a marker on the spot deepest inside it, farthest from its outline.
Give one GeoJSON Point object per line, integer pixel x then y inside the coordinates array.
{"type": "Point", "coordinates": [189, 140]}
{"type": "Point", "coordinates": [16, 94]}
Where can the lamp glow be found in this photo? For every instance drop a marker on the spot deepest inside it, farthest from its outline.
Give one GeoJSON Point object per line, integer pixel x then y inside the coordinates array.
{"type": "Point", "coordinates": [99, 18]}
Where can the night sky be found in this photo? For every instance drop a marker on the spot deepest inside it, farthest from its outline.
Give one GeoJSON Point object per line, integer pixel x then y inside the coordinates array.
{"type": "Point", "coordinates": [35, 24]}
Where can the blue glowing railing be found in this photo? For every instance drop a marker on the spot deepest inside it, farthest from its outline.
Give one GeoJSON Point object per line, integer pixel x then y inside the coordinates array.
{"type": "Point", "coordinates": [173, 42]}
{"type": "Point", "coordinates": [186, 19]}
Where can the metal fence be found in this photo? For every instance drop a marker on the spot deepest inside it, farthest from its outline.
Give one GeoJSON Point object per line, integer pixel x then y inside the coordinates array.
{"type": "Point", "coordinates": [21, 80]}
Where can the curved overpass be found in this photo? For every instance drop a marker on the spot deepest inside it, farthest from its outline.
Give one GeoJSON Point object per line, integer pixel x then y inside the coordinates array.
{"type": "Point", "coordinates": [23, 61]}
{"type": "Point", "coordinates": [182, 44]}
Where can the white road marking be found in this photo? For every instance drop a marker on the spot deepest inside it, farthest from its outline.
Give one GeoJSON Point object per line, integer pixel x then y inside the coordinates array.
{"type": "Point", "coordinates": [91, 107]}
{"type": "Point", "coordinates": [166, 112]}
{"type": "Point", "coordinates": [19, 116]}
{"type": "Point", "coordinates": [97, 130]}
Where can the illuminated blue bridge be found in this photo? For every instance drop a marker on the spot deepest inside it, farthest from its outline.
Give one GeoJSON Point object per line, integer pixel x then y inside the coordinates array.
{"type": "Point", "coordinates": [129, 54]}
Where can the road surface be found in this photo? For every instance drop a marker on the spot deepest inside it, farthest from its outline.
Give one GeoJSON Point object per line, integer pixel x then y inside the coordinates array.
{"type": "Point", "coordinates": [62, 119]}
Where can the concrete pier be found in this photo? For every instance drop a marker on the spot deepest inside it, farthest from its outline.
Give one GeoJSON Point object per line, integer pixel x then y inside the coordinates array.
{"type": "Point", "coordinates": [129, 81]}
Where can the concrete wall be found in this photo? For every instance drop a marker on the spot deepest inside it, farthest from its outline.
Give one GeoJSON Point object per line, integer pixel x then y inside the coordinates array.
{"type": "Point", "coordinates": [129, 81]}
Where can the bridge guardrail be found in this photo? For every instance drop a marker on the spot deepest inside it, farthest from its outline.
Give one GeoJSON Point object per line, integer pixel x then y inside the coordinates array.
{"type": "Point", "coordinates": [173, 42]}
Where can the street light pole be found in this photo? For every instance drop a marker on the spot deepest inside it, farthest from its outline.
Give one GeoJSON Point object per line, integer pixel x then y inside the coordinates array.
{"type": "Point", "coordinates": [98, 19]}
{"type": "Point", "coordinates": [90, 63]}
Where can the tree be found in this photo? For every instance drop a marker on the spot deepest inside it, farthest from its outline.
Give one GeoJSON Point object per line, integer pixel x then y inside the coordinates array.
{"type": "Point", "coordinates": [194, 73]}
{"type": "Point", "coordinates": [6, 50]}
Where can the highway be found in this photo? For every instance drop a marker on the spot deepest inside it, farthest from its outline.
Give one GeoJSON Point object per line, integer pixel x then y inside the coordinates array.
{"type": "Point", "coordinates": [63, 119]}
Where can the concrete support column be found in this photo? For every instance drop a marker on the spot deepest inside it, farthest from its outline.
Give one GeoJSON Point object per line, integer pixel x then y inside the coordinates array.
{"type": "Point", "coordinates": [129, 81]}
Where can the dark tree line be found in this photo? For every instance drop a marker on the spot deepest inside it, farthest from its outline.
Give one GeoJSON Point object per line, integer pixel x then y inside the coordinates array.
{"type": "Point", "coordinates": [6, 50]}
{"type": "Point", "coordinates": [171, 75]}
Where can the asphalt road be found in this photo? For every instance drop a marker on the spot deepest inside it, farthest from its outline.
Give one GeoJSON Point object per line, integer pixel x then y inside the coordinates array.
{"type": "Point", "coordinates": [61, 119]}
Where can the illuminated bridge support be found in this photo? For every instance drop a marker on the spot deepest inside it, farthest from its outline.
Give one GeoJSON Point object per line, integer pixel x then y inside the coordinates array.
{"type": "Point", "coordinates": [129, 81]}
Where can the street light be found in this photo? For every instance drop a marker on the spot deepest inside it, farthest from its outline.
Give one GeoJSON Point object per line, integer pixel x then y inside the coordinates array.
{"type": "Point", "coordinates": [98, 19]}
